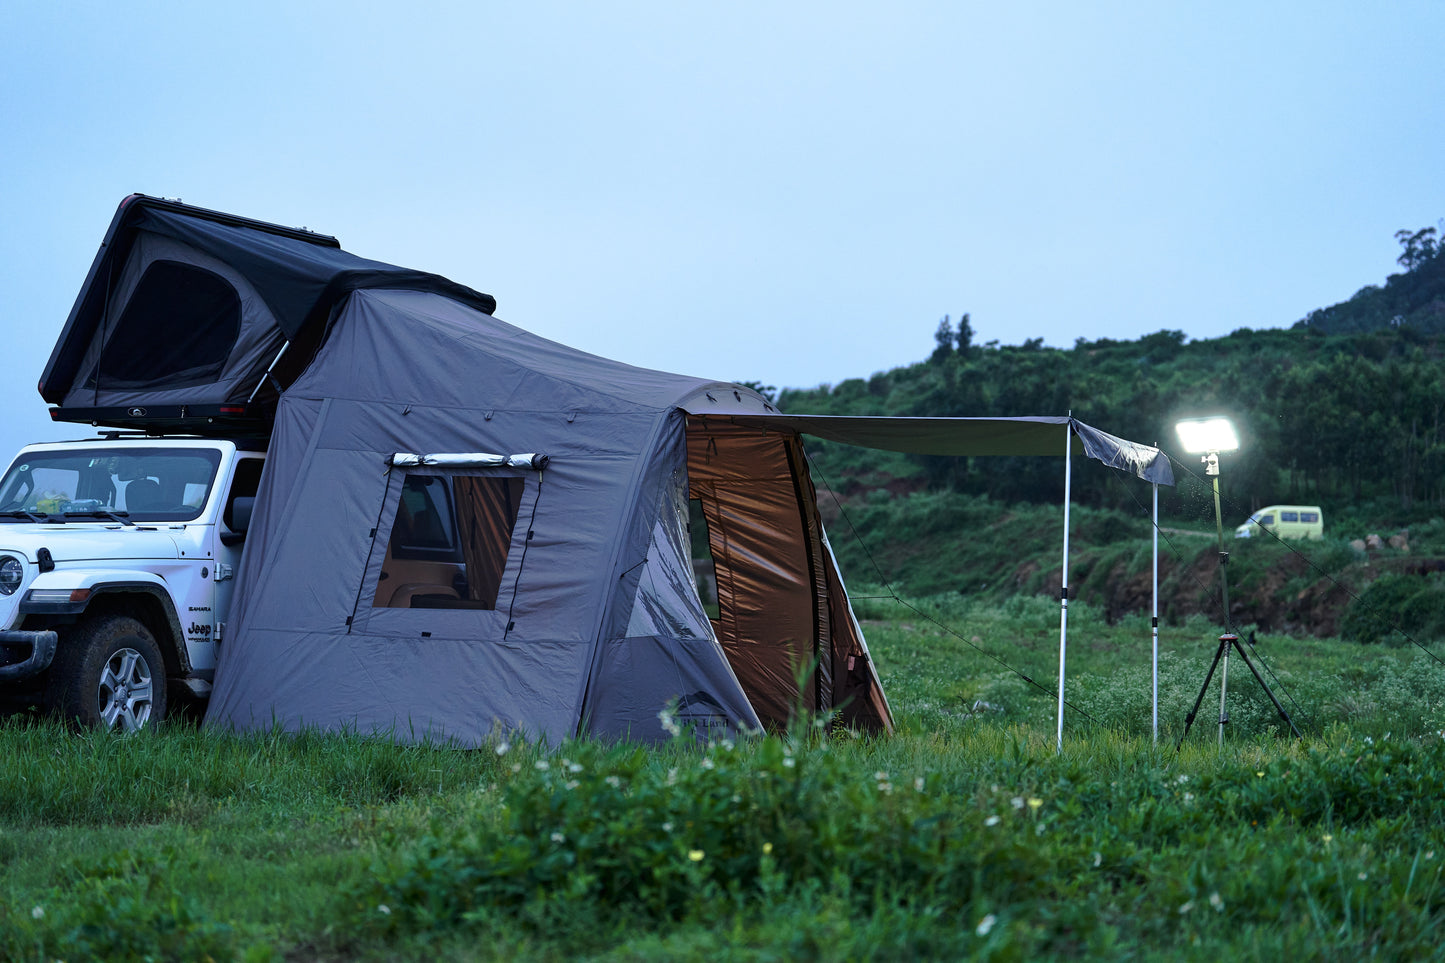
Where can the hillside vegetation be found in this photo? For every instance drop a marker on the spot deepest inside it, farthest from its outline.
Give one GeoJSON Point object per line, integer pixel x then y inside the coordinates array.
{"type": "Point", "coordinates": [1346, 410]}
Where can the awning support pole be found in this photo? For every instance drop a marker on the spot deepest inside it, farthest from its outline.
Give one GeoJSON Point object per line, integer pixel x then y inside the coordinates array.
{"type": "Point", "coordinates": [1154, 700]}
{"type": "Point", "coordinates": [1064, 578]}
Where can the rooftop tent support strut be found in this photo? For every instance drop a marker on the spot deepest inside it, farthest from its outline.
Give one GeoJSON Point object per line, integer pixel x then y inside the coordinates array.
{"type": "Point", "coordinates": [1064, 578]}
{"type": "Point", "coordinates": [268, 375]}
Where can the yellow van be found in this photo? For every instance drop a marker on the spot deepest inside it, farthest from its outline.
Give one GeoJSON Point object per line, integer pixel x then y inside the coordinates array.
{"type": "Point", "coordinates": [1285, 521]}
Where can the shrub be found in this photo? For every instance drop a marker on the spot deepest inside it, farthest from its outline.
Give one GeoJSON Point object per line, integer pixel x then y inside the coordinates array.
{"type": "Point", "coordinates": [1395, 608]}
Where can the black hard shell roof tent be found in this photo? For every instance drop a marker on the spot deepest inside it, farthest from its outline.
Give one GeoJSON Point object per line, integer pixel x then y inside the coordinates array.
{"type": "Point", "coordinates": [195, 320]}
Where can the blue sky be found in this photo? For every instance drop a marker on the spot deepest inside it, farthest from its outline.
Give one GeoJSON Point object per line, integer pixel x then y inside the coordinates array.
{"type": "Point", "coordinates": [790, 193]}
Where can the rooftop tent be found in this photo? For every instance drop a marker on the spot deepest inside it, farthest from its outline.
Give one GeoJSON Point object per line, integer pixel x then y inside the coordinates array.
{"type": "Point", "coordinates": [409, 572]}
{"type": "Point", "coordinates": [184, 310]}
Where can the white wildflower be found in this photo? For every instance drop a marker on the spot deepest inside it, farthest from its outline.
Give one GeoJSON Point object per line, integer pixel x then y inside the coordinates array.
{"type": "Point", "coordinates": [1217, 902]}
{"type": "Point", "coordinates": [986, 924]}
{"type": "Point", "coordinates": [383, 909]}
{"type": "Point", "coordinates": [1189, 905]}
{"type": "Point", "coordinates": [542, 765]}
{"type": "Point", "coordinates": [558, 838]}
{"type": "Point", "coordinates": [993, 820]}
{"type": "Point", "coordinates": [503, 747]}
{"type": "Point", "coordinates": [614, 782]}
{"type": "Point", "coordinates": [37, 913]}
{"type": "Point", "coordinates": [1017, 802]}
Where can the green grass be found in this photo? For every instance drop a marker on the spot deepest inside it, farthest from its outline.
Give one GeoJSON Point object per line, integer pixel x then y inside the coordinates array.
{"type": "Point", "coordinates": [965, 836]}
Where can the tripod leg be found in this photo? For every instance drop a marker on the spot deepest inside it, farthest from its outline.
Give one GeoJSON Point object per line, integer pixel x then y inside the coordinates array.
{"type": "Point", "coordinates": [1260, 679]}
{"type": "Point", "coordinates": [1189, 719]}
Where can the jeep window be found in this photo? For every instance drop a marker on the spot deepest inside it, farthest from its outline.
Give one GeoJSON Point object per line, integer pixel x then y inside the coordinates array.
{"type": "Point", "coordinates": [149, 484]}
{"type": "Point", "coordinates": [1289, 516]}
{"type": "Point", "coordinates": [449, 541]}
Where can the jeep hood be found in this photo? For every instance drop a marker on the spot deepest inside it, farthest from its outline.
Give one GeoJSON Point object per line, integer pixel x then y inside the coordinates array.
{"type": "Point", "coordinates": [85, 542]}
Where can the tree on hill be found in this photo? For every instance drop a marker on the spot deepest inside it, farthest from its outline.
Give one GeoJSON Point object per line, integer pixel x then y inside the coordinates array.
{"type": "Point", "coordinates": [1420, 247]}
{"type": "Point", "coordinates": [1415, 298]}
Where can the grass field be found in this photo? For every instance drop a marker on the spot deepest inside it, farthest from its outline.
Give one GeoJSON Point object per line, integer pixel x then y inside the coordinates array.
{"type": "Point", "coordinates": [965, 836]}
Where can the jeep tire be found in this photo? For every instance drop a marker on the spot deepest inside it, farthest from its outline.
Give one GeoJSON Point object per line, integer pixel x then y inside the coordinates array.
{"type": "Point", "coordinates": [109, 674]}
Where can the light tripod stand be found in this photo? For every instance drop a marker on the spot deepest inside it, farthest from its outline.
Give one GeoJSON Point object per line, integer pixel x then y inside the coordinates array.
{"type": "Point", "coordinates": [1211, 436]}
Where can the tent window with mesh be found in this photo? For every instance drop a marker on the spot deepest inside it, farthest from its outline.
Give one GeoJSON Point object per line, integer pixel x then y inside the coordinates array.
{"type": "Point", "coordinates": [177, 329]}
{"type": "Point", "coordinates": [449, 542]}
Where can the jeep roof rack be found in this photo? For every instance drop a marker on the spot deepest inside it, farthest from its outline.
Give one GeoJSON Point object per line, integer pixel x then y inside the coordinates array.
{"type": "Point", "coordinates": [232, 421]}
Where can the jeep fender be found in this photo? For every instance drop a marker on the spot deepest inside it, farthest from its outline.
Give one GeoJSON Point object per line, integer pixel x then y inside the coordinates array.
{"type": "Point", "coordinates": [88, 592]}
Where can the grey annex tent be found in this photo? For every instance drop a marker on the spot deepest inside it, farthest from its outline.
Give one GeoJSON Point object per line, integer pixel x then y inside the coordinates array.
{"type": "Point", "coordinates": [462, 527]}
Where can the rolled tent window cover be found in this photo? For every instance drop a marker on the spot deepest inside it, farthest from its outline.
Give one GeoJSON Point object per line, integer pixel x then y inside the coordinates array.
{"type": "Point", "coordinates": [471, 459]}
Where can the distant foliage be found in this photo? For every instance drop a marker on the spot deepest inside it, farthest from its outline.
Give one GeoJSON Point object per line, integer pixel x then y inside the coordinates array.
{"type": "Point", "coordinates": [1347, 406]}
{"type": "Point", "coordinates": [1396, 608]}
{"type": "Point", "coordinates": [1414, 299]}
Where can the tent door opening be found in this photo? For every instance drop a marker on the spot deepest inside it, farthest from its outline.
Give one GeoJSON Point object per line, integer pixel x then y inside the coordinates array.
{"type": "Point", "coordinates": [781, 610]}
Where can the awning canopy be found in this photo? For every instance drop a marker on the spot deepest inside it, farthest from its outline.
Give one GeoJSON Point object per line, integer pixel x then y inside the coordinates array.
{"type": "Point", "coordinates": [1024, 435]}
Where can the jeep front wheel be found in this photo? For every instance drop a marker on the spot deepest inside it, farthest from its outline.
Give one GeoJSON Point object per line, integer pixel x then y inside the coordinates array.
{"type": "Point", "coordinates": [108, 674]}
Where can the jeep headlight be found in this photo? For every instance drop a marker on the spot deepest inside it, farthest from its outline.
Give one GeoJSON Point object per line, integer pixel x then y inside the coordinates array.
{"type": "Point", "coordinates": [12, 573]}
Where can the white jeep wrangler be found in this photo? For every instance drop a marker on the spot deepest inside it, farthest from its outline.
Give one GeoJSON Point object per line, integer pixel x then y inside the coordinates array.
{"type": "Point", "coordinates": [117, 563]}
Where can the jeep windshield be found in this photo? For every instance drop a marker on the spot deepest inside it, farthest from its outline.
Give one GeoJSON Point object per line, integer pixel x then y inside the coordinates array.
{"type": "Point", "coordinates": [108, 484]}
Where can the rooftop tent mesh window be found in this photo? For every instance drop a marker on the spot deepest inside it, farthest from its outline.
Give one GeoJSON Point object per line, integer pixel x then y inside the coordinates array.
{"type": "Point", "coordinates": [449, 542]}
{"type": "Point", "coordinates": [177, 329]}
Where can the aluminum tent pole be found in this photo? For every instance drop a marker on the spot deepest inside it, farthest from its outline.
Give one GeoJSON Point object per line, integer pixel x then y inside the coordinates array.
{"type": "Point", "coordinates": [1154, 702]}
{"type": "Point", "coordinates": [1064, 578]}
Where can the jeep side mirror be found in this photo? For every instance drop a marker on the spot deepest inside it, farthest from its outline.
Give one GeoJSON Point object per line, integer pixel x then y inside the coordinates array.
{"type": "Point", "coordinates": [240, 520]}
